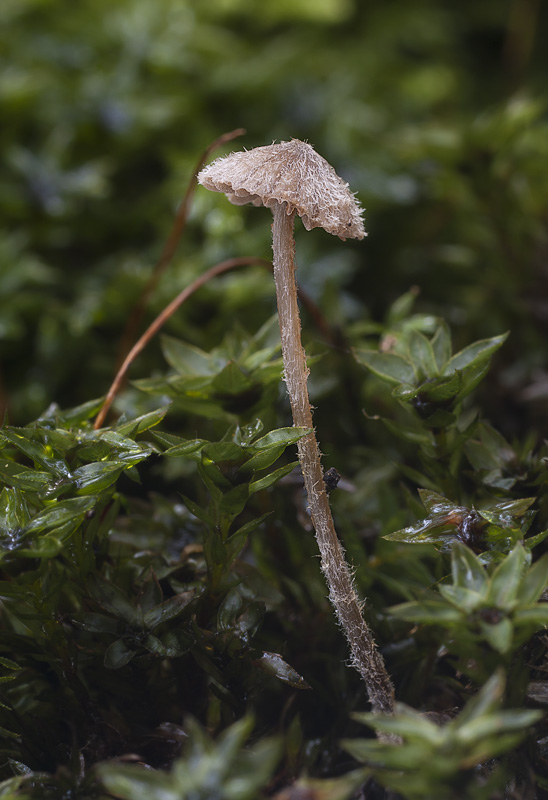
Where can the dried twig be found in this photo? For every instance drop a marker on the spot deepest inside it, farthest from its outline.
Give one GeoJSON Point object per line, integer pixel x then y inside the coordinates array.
{"type": "Point", "coordinates": [161, 319]}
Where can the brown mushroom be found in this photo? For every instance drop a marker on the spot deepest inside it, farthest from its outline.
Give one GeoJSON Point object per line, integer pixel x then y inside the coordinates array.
{"type": "Point", "coordinates": [289, 173]}
{"type": "Point", "coordinates": [291, 178]}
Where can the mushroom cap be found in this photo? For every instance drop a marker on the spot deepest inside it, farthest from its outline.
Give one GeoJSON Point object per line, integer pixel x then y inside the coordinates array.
{"type": "Point", "coordinates": [291, 173]}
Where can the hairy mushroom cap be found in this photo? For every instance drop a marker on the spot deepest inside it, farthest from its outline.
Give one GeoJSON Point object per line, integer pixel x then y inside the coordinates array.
{"type": "Point", "coordinates": [291, 173]}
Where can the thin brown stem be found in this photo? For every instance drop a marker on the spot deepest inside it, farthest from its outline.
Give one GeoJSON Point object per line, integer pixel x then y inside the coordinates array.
{"type": "Point", "coordinates": [523, 24]}
{"type": "Point", "coordinates": [161, 319]}
{"type": "Point", "coordinates": [365, 656]}
{"type": "Point", "coordinates": [172, 241]}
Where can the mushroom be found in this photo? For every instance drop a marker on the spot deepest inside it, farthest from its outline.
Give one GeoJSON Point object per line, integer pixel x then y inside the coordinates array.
{"type": "Point", "coordinates": [291, 178]}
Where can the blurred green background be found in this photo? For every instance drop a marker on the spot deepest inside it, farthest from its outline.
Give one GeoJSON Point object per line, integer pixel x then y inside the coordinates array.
{"type": "Point", "coordinates": [435, 112]}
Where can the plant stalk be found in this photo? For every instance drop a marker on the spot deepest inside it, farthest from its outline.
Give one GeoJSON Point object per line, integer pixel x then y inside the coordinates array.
{"type": "Point", "coordinates": [161, 319]}
{"type": "Point", "coordinates": [365, 656]}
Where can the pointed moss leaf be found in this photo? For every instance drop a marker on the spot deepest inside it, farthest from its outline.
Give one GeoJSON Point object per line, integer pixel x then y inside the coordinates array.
{"type": "Point", "coordinates": [471, 377]}
{"type": "Point", "coordinates": [388, 366]}
{"type": "Point", "coordinates": [436, 503]}
{"type": "Point", "coordinates": [248, 777]}
{"type": "Point", "coordinates": [229, 609]}
{"type": "Point", "coordinates": [503, 514]}
{"type": "Point", "coordinates": [199, 512]}
{"type": "Point", "coordinates": [401, 307]}
{"type": "Point", "coordinates": [414, 433]}
{"type": "Point", "coordinates": [5, 733]}
{"type": "Point", "coordinates": [534, 615]}
{"type": "Point", "coordinates": [506, 579]}
{"type": "Point", "coordinates": [269, 448]}
{"type": "Point", "coordinates": [441, 345]}
{"type": "Point", "coordinates": [123, 447]}
{"type": "Point", "coordinates": [480, 457]}
{"type": "Point", "coordinates": [46, 546]}
{"type": "Point", "coordinates": [533, 541]}
{"type": "Point", "coordinates": [534, 582]}
{"type": "Point", "coordinates": [132, 783]}
{"type": "Point", "coordinates": [118, 654]}
{"type": "Point", "coordinates": [422, 355]}
{"type": "Point", "coordinates": [78, 414]}
{"type": "Point", "coordinates": [285, 436]}
{"type": "Point", "coordinates": [479, 729]}
{"type": "Point", "coordinates": [188, 360]}
{"type": "Point", "coordinates": [232, 380]}
{"type": "Point", "coordinates": [205, 662]}
{"type": "Point", "coordinates": [439, 418]}
{"type": "Point", "coordinates": [233, 501]}
{"type": "Point", "coordinates": [267, 332]}
{"type": "Point", "coordinates": [224, 451]}
{"type": "Point", "coordinates": [246, 434]}
{"type": "Point", "coordinates": [461, 597]}
{"type": "Point", "coordinates": [428, 612]}
{"type": "Point", "coordinates": [191, 448]}
{"type": "Point", "coordinates": [406, 392]}
{"type": "Point", "coordinates": [193, 394]}
{"type": "Point", "coordinates": [8, 663]}
{"type": "Point", "coordinates": [417, 477]}
{"type": "Point", "coordinates": [142, 423]}
{"type": "Point", "coordinates": [214, 478]}
{"type": "Point", "coordinates": [490, 450]}
{"type": "Point", "coordinates": [113, 599]}
{"type": "Point", "coordinates": [262, 460]}
{"type": "Point", "coordinates": [250, 526]}
{"type": "Point", "coordinates": [272, 478]}
{"type": "Point", "coordinates": [95, 478]}
{"type": "Point", "coordinates": [214, 547]}
{"type": "Point", "coordinates": [498, 634]}
{"type": "Point", "coordinates": [489, 748]}
{"type": "Point", "coordinates": [19, 477]}
{"type": "Point", "coordinates": [441, 390]}
{"type": "Point", "coordinates": [167, 610]}
{"type": "Point", "coordinates": [475, 354]}
{"type": "Point", "coordinates": [150, 595]}
{"type": "Point", "coordinates": [494, 479]}
{"type": "Point", "coordinates": [177, 643]}
{"type": "Point", "coordinates": [133, 474]}
{"type": "Point", "coordinates": [275, 665]}
{"type": "Point", "coordinates": [236, 542]}
{"type": "Point", "coordinates": [423, 532]}
{"type": "Point", "coordinates": [272, 373]}
{"type": "Point", "coordinates": [65, 511]}
{"type": "Point", "coordinates": [251, 620]}
{"type": "Point", "coordinates": [230, 742]}
{"type": "Point", "coordinates": [15, 513]}
{"type": "Point", "coordinates": [405, 722]}
{"type": "Point", "coordinates": [24, 440]}
{"type": "Point", "coordinates": [397, 765]}
{"type": "Point", "coordinates": [154, 645]}
{"type": "Point", "coordinates": [440, 523]}
{"type": "Point", "coordinates": [262, 358]}
{"type": "Point", "coordinates": [169, 439]}
{"type": "Point", "coordinates": [466, 569]}
{"type": "Point", "coordinates": [486, 700]}
{"type": "Point", "coordinates": [97, 623]}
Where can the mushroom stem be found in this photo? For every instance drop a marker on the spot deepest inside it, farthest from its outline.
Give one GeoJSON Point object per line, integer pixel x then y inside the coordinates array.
{"type": "Point", "coordinates": [365, 656]}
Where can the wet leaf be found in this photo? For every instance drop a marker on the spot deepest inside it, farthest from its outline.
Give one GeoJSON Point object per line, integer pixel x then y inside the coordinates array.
{"type": "Point", "coordinates": [118, 654]}
{"type": "Point", "coordinates": [275, 665]}
{"type": "Point", "coordinates": [389, 366]}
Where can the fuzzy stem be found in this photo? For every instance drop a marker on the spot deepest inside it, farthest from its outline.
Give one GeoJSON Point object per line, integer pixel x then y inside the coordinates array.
{"type": "Point", "coordinates": [365, 656]}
